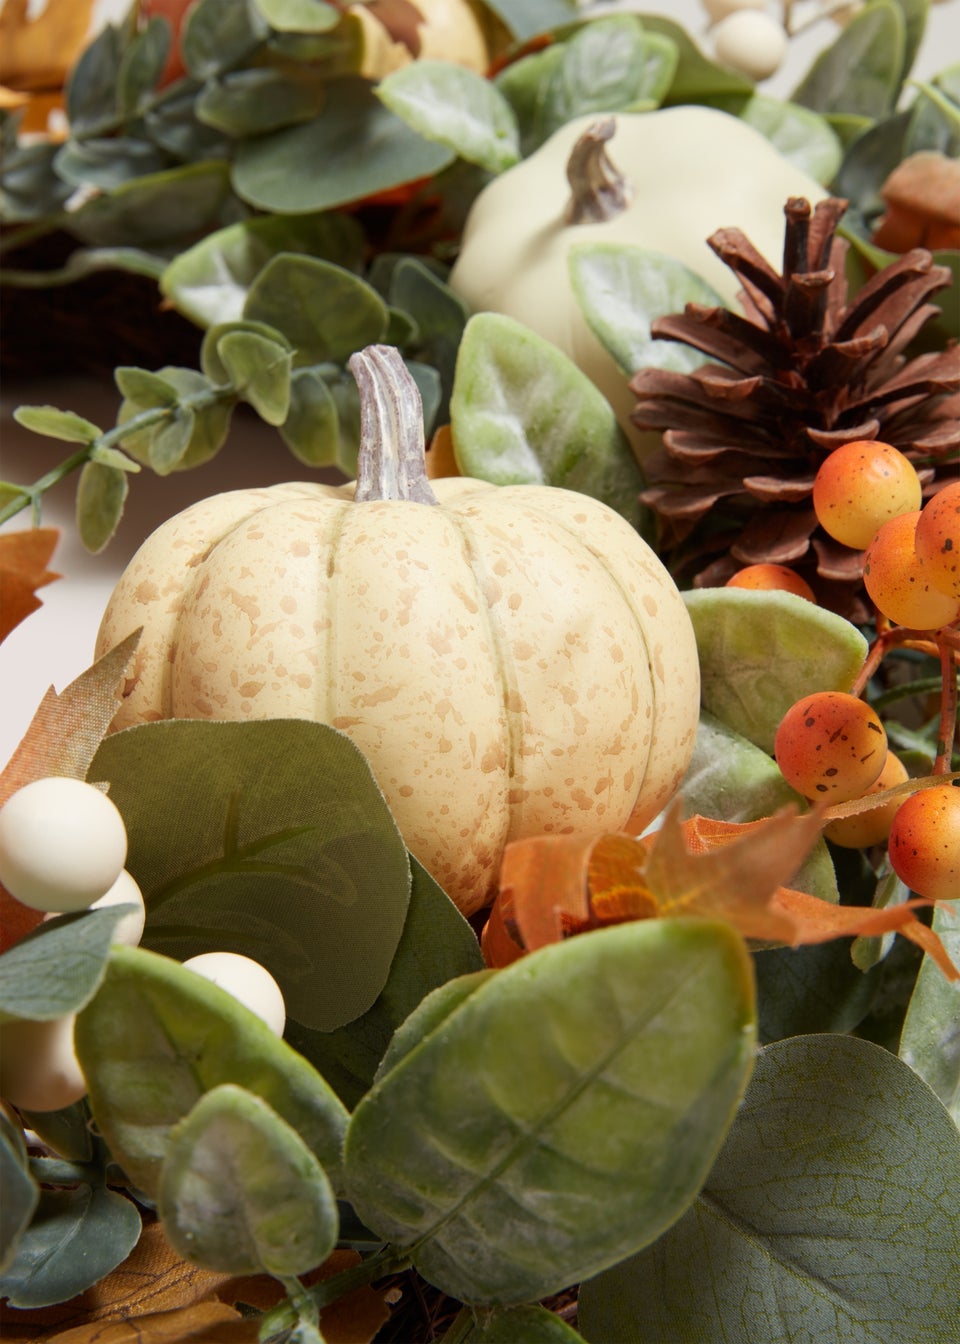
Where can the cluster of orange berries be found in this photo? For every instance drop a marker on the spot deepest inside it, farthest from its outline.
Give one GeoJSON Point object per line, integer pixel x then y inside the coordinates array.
{"type": "Point", "coordinates": [831, 746]}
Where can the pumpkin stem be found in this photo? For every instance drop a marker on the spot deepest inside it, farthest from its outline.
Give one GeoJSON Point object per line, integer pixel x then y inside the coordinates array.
{"type": "Point", "coordinates": [600, 190]}
{"type": "Point", "coordinates": [390, 463]}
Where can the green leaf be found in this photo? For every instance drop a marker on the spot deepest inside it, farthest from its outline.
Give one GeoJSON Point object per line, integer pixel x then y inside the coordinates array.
{"type": "Point", "coordinates": [810, 989]}
{"type": "Point", "coordinates": [157, 1037]}
{"type": "Point", "coordinates": [915, 14]}
{"type": "Point", "coordinates": [521, 411]}
{"type": "Point", "coordinates": [868, 162]}
{"type": "Point", "coordinates": [312, 428]}
{"type": "Point", "coordinates": [208, 425]}
{"type": "Point", "coordinates": [696, 79]}
{"type": "Point", "coordinates": [75, 1239]}
{"type": "Point", "coordinates": [141, 65]}
{"type": "Point", "coordinates": [145, 388]}
{"type": "Point", "coordinates": [524, 83]}
{"type": "Point", "coordinates": [170, 441]}
{"type": "Point", "coordinates": [299, 16]}
{"type": "Point", "coordinates": [859, 74]}
{"type": "Point", "coordinates": [30, 189]}
{"type": "Point", "coordinates": [437, 946]}
{"type": "Point", "coordinates": [259, 371]}
{"type": "Point", "coordinates": [832, 1212]}
{"type": "Point", "coordinates": [101, 494]}
{"type": "Point", "coordinates": [20, 1192]}
{"type": "Point", "coordinates": [56, 424]}
{"type": "Point", "coordinates": [231, 856]}
{"type": "Point", "coordinates": [930, 1042]}
{"type": "Point", "coordinates": [65, 1132]}
{"type": "Point", "coordinates": [526, 18]}
{"type": "Point", "coordinates": [92, 86]}
{"type": "Point", "coordinates": [802, 136]}
{"type": "Point", "coordinates": [532, 1324]}
{"type": "Point", "coordinates": [609, 64]}
{"type": "Point", "coordinates": [241, 1193]}
{"type": "Point", "coordinates": [566, 1112]}
{"type": "Point", "coordinates": [158, 208]}
{"type": "Point", "coordinates": [209, 282]}
{"type": "Point", "coordinates": [251, 102]}
{"type": "Point", "coordinates": [325, 311]}
{"type": "Point", "coordinates": [211, 360]}
{"type": "Point", "coordinates": [440, 316]}
{"type": "Point", "coordinates": [455, 107]}
{"type": "Point", "coordinates": [622, 289]}
{"type": "Point", "coordinates": [57, 967]}
{"type": "Point", "coordinates": [84, 261]}
{"type": "Point", "coordinates": [219, 34]}
{"type": "Point", "coordinates": [363, 146]}
{"type": "Point", "coordinates": [760, 652]}
{"type": "Point", "coordinates": [108, 162]}
{"type": "Point", "coordinates": [172, 123]}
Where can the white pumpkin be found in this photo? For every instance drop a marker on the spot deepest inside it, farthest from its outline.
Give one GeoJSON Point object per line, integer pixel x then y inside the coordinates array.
{"type": "Point", "coordinates": [511, 660]}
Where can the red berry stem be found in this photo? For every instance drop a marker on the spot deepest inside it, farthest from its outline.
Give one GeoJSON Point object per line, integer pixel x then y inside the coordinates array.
{"type": "Point", "coordinates": [948, 642]}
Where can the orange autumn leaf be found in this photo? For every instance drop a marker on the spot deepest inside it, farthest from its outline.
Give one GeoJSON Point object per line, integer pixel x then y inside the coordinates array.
{"type": "Point", "coordinates": [23, 569]}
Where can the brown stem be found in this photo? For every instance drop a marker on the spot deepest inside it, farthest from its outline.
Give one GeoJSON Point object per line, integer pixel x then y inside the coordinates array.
{"type": "Point", "coordinates": [948, 705]}
{"type": "Point", "coordinates": [390, 462]}
{"type": "Point", "coordinates": [600, 191]}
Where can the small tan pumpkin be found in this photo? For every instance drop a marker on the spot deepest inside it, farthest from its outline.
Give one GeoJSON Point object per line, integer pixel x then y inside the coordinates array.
{"type": "Point", "coordinates": [512, 660]}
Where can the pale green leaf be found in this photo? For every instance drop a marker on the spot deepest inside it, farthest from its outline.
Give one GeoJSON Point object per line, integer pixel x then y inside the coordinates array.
{"type": "Point", "coordinates": [608, 64]}
{"type": "Point", "coordinates": [930, 1042]}
{"type": "Point", "coordinates": [57, 967]}
{"type": "Point", "coordinates": [299, 16]}
{"type": "Point", "coordinates": [324, 311]}
{"type": "Point", "coordinates": [259, 370]}
{"type": "Point", "coordinates": [457, 108]}
{"type": "Point", "coordinates": [56, 424]}
{"type": "Point", "coordinates": [311, 429]}
{"type": "Point", "coordinates": [101, 494]}
{"type": "Point", "coordinates": [802, 136]}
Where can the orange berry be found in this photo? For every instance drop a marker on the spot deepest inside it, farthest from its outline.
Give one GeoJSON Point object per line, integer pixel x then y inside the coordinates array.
{"type": "Point", "coordinates": [924, 842]}
{"type": "Point", "coordinates": [937, 539]}
{"type": "Point", "coordinates": [873, 827]}
{"type": "Point", "coordinates": [776, 577]}
{"type": "Point", "coordinates": [830, 746]}
{"type": "Point", "coordinates": [860, 486]}
{"type": "Point", "coordinates": [898, 581]}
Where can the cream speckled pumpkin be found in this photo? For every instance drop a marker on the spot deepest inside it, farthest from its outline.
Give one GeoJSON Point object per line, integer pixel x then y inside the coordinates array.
{"type": "Point", "coordinates": [512, 660]}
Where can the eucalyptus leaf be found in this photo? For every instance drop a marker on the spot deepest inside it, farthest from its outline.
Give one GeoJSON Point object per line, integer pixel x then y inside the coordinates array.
{"type": "Point", "coordinates": [930, 1042]}
{"type": "Point", "coordinates": [521, 411]}
{"type": "Point", "coordinates": [325, 311]}
{"type": "Point", "coordinates": [622, 289]}
{"type": "Point", "coordinates": [801, 136]}
{"type": "Point", "coordinates": [567, 1111]}
{"type": "Point", "coordinates": [210, 422]}
{"type": "Point", "coordinates": [158, 1036]}
{"type": "Point", "coordinates": [915, 14]}
{"type": "Point", "coordinates": [219, 34]}
{"type": "Point", "coordinates": [75, 1239]}
{"type": "Point", "coordinates": [299, 16]}
{"type": "Point", "coordinates": [311, 429]}
{"type": "Point", "coordinates": [363, 146]}
{"type": "Point", "coordinates": [157, 208]}
{"type": "Point", "coordinates": [437, 945]}
{"type": "Point", "coordinates": [761, 651]}
{"type": "Point", "coordinates": [832, 1212]}
{"type": "Point", "coordinates": [440, 316]}
{"type": "Point", "coordinates": [696, 79]}
{"type": "Point", "coordinates": [170, 440]}
{"type": "Point", "coordinates": [233, 856]}
{"type": "Point", "coordinates": [84, 261]}
{"type": "Point", "coordinates": [65, 1132]}
{"type": "Point", "coordinates": [101, 494]}
{"type": "Point", "coordinates": [259, 370]}
{"type": "Point", "coordinates": [145, 388]}
{"type": "Point", "coordinates": [29, 187]}
{"type": "Point", "coordinates": [810, 989]}
{"type": "Point", "coordinates": [56, 968]}
{"type": "Point", "coordinates": [526, 18]}
{"type": "Point", "coordinates": [108, 162]}
{"type": "Point", "coordinates": [532, 1324]}
{"type": "Point", "coordinates": [141, 65]}
{"type": "Point", "coordinates": [57, 424]}
{"type": "Point", "coordinates": [860, 72]}
{"type": "Point", "coordinates": [251, 102]}
{"type": "Point", "coordinates": [209, 282]}
{"type": "Point", "coordinates": [608, 64]}
{"type": "Point", "coordinates": [241, 1193]}
{"type": "Point", "coordinates": [211, 360]}
{"type": "Point", "coordinates": [20, 1192]}
{"type": "Point", "coordinates": [524, 83]}
{"type": "Point", "coordinates": [92, 85]}
{"type": "Point", "coordinates": [171, 122]}
{"type": "Point", "coordinates": [455, 107]}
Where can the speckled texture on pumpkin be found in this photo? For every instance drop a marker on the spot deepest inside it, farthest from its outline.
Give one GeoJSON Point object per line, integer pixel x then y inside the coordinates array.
{"type": "Point", "coordinates": [514, 662]}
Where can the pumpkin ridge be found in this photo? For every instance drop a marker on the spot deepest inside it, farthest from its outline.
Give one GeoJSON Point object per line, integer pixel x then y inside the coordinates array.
{"type": "Point", "coordinates": [327, 615]}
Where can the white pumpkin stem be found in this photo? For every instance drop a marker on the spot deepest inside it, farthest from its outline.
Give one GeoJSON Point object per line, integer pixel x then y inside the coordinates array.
{"type": "Point", "coordinates": [391, 462]}
{"type": "Point", "coordinates": [600, 190]}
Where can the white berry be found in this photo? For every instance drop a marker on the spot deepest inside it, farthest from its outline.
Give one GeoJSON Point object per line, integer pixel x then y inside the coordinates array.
{"type": "Point", "coordinates": [750, 42]}
{"type": "Point", "coordinates": [124, 891]}
{"type": "Point", "coordinates": [63, 844]}
{"type": "Point", "coordinates": [249, 982]}
{"type": "Point", "coordinates": [38, 1067]}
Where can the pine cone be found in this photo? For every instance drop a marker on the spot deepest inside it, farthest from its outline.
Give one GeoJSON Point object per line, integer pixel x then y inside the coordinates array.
{"type": "Point", "coordinates": [799, 374]}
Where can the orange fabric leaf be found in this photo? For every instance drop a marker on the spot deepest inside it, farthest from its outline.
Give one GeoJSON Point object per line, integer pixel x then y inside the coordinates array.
{"type": "Point", "coordinates": [546, 881]}
{"type": "Point", "coordinates": [23, 569]}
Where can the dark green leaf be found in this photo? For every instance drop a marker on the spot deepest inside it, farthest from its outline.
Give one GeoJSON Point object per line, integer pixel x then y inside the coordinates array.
{"type": "Point", "coordinates": [56, 968]}
{"type": "Point", "coordinates": [17, 1187]}
{"type": "Point", "coordinates": [241, 1193]}
{"type": "Point", "coordinates": [807, 989]}
{"type": "Point", "coordinates": [440, 316]}
{"type": "Point", "coordinates": [75, 1239]}
{"type": "Point", "coordinates": [172, 123]}
{"type": "Point", "coordinates": [85, 261]}
{"type": "Point", "coordinates": [176, 203]}
{"type": "Point", "coordinates": [437, 946]}
{"type": "Point", "coordinates": [608, 65]}
{"type": "Point", "coordinates": [532, 1324]}
{"type": "Point", "coordinates": [141, 65]}
{"type": "Point", "coordinates": [157, 1036]}
{"type": "Point", "coordinates": [832, 1212]}
{"type": "Point", "coordinates": [363, 146]}
{"type": "Point", "coordinates": [230, 855]}
{"type": "Point", "coordinates": [527, 18]}
{"type": "Point", "coordinates": [567, 1111]}
{"type": "Point", "coordinates": [930, 1043]}
{"type": "Point", "coordinates": [525, 83]}
{"type": "Point", "coordinates": [209, 282]}
{"type": "Point", "coordinates": [457, 108]}
{"type": "Point", "coordinates": [56, 424]}
{"type": "Point", "coordinates": [867, 163]}
{"type": "Point", "coordinates": [101, 494]}
{"type": "Point", "coordinates": [312, 429]}
{"type": "Point", "coordinates": [299, 16]}
{"type": "Point", "coordinates": [219, 34]}
{"type": "Point", "coordinates": [259, 370]}
{"type": "Point", "coordinates": [107, 163]}
{"type": "Point", "coordinates": [65, 1132]}
{"type": "Point", "coordinates": [325, 311]}
{"type": "Point", "coordinates": [860, 73]}
{"type": "Point", "coordinates": [428, 384]}
{"type": "Point", "coordinates": [29, 186]}
{"type": "Point", "coordinates": [92, 86]}
{"type": "Point", "coordinates": [250, 102]}
{"type": "Point", "coordinates": [521, 411]}
{"type": "Point", "coordinates": [696, 78]}
{"type": "Point", "coordinates": [743, 635]}
{"type": "Point", "coordinates": [915, 14]}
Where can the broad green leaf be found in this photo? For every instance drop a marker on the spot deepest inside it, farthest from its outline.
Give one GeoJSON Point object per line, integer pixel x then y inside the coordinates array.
{"type": "Point", "coordinates": [157, 208]}
{"type": "Point", "coordinates": [157, 1037]}
{"type": "Point", "coordinates": [311, 429]}
{"type": "Point", "coordinates": [860, 72]}
{"type": "Point", "coordinates": [437, 945]}
{"type": "Point", "coordinates": [430, 1014]}
{"type": "Point", "coordinates": [697, 79]}
{"type": "Point", "coordinates": [527, 18]}
{"type": "Point", "coordinates": [299, 16]}
{"type": "Point", "coordinates": [75, 1239]}
{"type": "Point", "coordinates": [259, 370]}
{"type": "Point", "coordinates": [760, 652]}
{"type": "Point", "coordinates": [810, 989]}
{"type": "Point", "coordinates": [19, 1190]}
{"type": "Point", "coordinates": [108, 162]}
{"type": "Point", "coordinates": [532, 1324]}
{"type": "Point", "coordinates": [524, 84]}
{"type": "Point", "coordinates": [608, 64]}
{"type": "Point", "coordinates": [930, 1042]}
{"type": "Point", "coordinates": [171, 122]}
{"type": "Point", "coordinates": [30, 189]}
{"type": "Point", "coordinates": [915, 14]}
{"type": "Point", "coordinates": [251, 102]}
{"type": "Point", "coordinates": [325, 311]}
{"type": "Point", "coordinates": [55, 969]}
{"type": "Point", "coordinates": [91, 92]}
{"type": "Point", "coordinates": [209, 282]}
{"type": "Point", "coordinates": [802, 136]}
{"type": "Point", "coordinates": [241, 1193]}
{"type": "Point", "coordinates": [101, 494]}
{"type": "Point", "coordinates": [363, 146]}
{"type": "Point", "coordinates": [564, 1114]}
{"type": "Point", "coordinates": [622, 289]}
{"type": "Point", "coordinates": [832, 1213]}
{"type": "Point", "coordinates": [65, 1132]}
{"type": "Point", "coordinates": [457, 108]}
{"type": "Point", "coordinates": [211, 419]}
{"type": "Point", "coordinates": [521, 411]}
{"type": "Point", "coordinates": [440, 316]}
{"type": "Point", "coordinates": [56, 424]}
{"type": "Point", "coordinates": [233, 856]}
{"type": "Point", "coordinates": [141, 65]}
{"type": "Point", "coordinates": [219, 34]}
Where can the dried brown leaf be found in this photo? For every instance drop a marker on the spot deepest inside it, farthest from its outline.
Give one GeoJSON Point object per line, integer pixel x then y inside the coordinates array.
{"type": "Point", "coordinates": [23, 569]}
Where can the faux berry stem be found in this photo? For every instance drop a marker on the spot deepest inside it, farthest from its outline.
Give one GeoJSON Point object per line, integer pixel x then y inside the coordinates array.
{"type": "Point", "coordinates": [948, 704]}
{"type": "Point", "coordinates": [600, 191]}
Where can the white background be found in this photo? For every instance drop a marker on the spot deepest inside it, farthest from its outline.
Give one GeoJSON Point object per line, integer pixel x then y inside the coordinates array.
{"type": "Point", "coordinates": [56, 643]}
